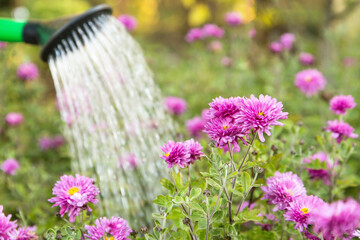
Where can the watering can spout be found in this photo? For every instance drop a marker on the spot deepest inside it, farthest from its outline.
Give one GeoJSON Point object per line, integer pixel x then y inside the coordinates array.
{"type": "Point", "coordinates": [47, 34]}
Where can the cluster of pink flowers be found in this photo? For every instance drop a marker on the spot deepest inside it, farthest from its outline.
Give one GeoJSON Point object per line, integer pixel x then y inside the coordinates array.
{"type": "Point", "coordinates": [73, 194]}
{"type": "Point", "coordinates": [27, 71]}
{"type": "Point", "coordinates": [232, 119]}
{"type": "Point", "coordinates": [9, 230]}
{"type": "Point", "coordinates": [46, 143]}
{"type": "Point", "coordinates": [181, 154]}
{"type": "Point", "coordinates": [114, 228]}
{"type": "Point", "coordinates": [286, 42]}
{"type": "Point", "coordinates": [9, 166]}
{"type": "Point", "coordinates": [310, 81]}
{"type": "Point", "coordinates": [287, 192]}
{"type": "Point", "coordinates": [195, 126]}
{"type": "Point", "coordinates": [207, 31]}
{"type": "Point", "coordinates": [176, 106]}
{"type": "Point", "coordinates": [128, 21]}
{"type": "Point", "coordinates": [341, 130]}
{"type": "Point", "coordinates": [14, 119]}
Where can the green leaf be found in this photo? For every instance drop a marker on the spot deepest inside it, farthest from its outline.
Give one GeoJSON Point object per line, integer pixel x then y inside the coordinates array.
{"type": "Point", "coordinates": [245, 181]}
{"type": "Point", "coordinates": [237, 193]}
{"type": "Point", "coordinates": [232, 175]}
{"type": "Point", "coordinates": [178, 179]}
{"type": "Point", "coordinates": [213, 183]}
{"type": "Point", "coordinates": [178, 200]}
{"type": "Point", "coordinates": [167, 184]}
{"type": "Point", "coordinates": [316, 164]}
{"type": "Point", "coordinates": [196, 206]}
{"type": "Point", "coordinates": [161, 200]}
{"type": "Point", "coordinates": [195, 192]}
{"type": "Point", "coordinates": [158, 216]}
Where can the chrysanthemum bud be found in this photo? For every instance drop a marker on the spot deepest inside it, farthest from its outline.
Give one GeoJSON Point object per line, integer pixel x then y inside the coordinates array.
{"type": "Point", "coordinates": [159, 229]}
{"type": "Point", "coordinates": [144, 229]}
{"type": "Point", "coordinates": [311, 148]}
{"type": "Point", "coordinates": [274, 148]}
{"type": "Point", "coordinates": [186, 221]}
{"type": "Point", "coordinates": [212, 144]}
{"type": "Point", "coordinates": [292, 152]}
{"type": "Point", "coordinates": [258, 169]}
{"type": "Point", "coordinates": [133, 233]}
{"type": "Point", "coordinates": [254, 152]}
{"type": "Point", "coordinates": [207, 192]}
{"type": "Point", "coordinates": [301, 142]}
{"type": "Point", "coordinates": [300, 123]}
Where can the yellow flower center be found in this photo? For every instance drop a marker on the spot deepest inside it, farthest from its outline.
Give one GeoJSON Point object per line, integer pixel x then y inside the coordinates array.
{"type": "Point", "coordinates": [305, 210]}
{"type": "Point", "coordinates": [73, 190]}
{"type": "Point", "coordinates": [109, 238]}
{"type": "Point", "coordinates": [167, 154]}
{"type": "Point", "coordinates": [225, 127]}
{"type": "Point", "coordinates": [308, 79]}
{"type": "Point", "coordinates": [261, 113]}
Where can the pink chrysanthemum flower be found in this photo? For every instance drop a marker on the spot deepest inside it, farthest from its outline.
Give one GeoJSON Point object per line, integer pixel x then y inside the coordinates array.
{"type": "Point", "coordinates": [339, 104]}
{"type": "Point", "coordinates": [195, 126]}
{"type": "Point", "coordinates": [337, 219]}
{"type": "Point", "coordinates": [340, 130]}
{"type": "Point", "coordinates": [23, 233]}
{"type": "Point", "coordinates": [225, 108]}
{"type": "Point", "coordinates": [310, 81]}
{"type": "Point", "coordinates": [225, 132]}
{"type": "Point", "coordinates": [275, 47]}
{"type": "Point", "coordinates": [205, 114]}
{"type": "Point", "coordinates": [73, 194]}
{"type": "Point", "coordinates": [282, 189]}
{"type": "Point", "coordinates": [194, 148]}
{"type": "Point", "coordinates": [14, 119]}
{"type": "Point", "coordinates": [211, 30]}
{"type": "Point", "coordinates": [194, 34]}
{"type": "Point", "coordinates": [301, 209]}
{"type": "Point", "coordinates": [6, 226]}
{"type": "Point", "coordinates": [252, 33]}
{"type": "Point", "coordinates": [115, 228]}
{"type": "Point", "coordinates": [175, 105]}
{"type": "Point", "coordinates": [128, 21]}
{"type": "Point", "coordinates": [306, 59]}
{"type": "Point", "coordinates": [260, 114]}
{"type": "Point", "coordinates": [287, 40]}
{"type": "Point", "coordinates": [27, 71]}
{"type": "Point", "coordinates": [234, 18]}
{"type": "Point", "coordinates": [175, 154]}
{"type": "Point", "coordinates": [322, 174]}
{"type": "Point", "coordinates": [10, 166]}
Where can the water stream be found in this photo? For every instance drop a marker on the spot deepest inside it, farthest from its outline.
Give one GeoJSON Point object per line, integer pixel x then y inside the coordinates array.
{"type": "Point", "coordinates": [115, 120]}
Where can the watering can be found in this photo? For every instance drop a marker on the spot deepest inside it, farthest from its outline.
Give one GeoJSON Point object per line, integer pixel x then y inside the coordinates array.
{"type": "Point", "coordinates": [47, 34]}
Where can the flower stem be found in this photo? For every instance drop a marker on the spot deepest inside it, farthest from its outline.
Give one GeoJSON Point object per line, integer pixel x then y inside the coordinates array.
{"type": "Point", "coordinates": [189, 179]}
{"type": "Point", "coordinates": [247, 193]}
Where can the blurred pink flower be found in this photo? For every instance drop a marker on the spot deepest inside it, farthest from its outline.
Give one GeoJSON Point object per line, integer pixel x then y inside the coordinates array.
{"type": "Point", "coordinates": [211, 30]}
{"type": "Point", "coordinates": [195, 126]}
{"type": "Point", "coordinates": [175, 105]}
{"type": "Point", "coordinates": [3, 45]}
{"type": "Point", "coordinates": [129, 160]}
{"type": "Point", "coordinates": [234, 18]}
{"type": "Point", "coordinates": [339, 104]}
{"type": "Point", "coordinates": [226, 61]}
{"type": "Point", "coordinates": [193, 35]}
{"type": "Point", "coordinates": [215, 46]}
{"type": "Point", "coordinates": [10, 166]}
{"type": "Point", "coordinates": [310, 81]}
{"type": "Point", "coordinates": [128, 21]}
{"type": "Point", "coordinates": [349, 61]}
{"type": "Point", "coordinates": [276, 47]}
{"type": "Point", "coordinates": [287, 40]}
{"type": "Point", "coordinates": [306, 59]}
{"type": "Point", "coordinates": [252, 33]}
{"type": "Point", "coordinates": [341, 130]}
{"type": "Point", "coordinates": [27, 71]}
{"type": "Point", "coordinates": [14, 119]}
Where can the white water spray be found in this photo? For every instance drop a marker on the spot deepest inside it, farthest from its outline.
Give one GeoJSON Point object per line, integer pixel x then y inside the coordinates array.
{"type": "Point", "coordinates": [114, 114]}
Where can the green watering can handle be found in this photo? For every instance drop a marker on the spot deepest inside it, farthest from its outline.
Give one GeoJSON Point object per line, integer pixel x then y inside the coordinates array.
{"type": "Point", "coordinates": [11, 30]}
